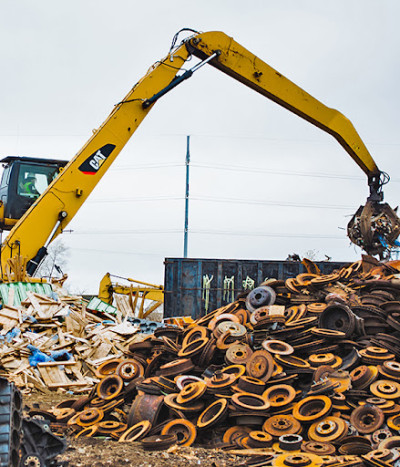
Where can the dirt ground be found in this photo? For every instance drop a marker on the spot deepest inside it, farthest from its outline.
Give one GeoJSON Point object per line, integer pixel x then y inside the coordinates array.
{"type": "Point", "coordinates": [91, 452]}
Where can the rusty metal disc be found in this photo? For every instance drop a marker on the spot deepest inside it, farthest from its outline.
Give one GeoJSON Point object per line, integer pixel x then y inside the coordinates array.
{"type": "Point", "coordinates": [238, 354]}
{"type": "Point", "coordinates": [278, 347]}
{"type": "Point", "coordinates": [194, 333]}
{"type": "Point", "coordinates": [158, 442]}
{"type": "Point", "coordinates": [367, 418]}
{"type": "Point", "coordinates": [129, 369]}
{"type": "Point", "coordinates": [193, 348]}
{"type": "Point", "coordinates": [87, 432]}
{"type": "Point", "coordinates": [145, 407]}
{"type": "Point", "coordinates": [108, 367]}
{"type": "Point", "coordinates": [110, 387]}
{"type": "Point", "coordinates": [89, 417]}
{"type": "Point", "coordinates": [177, 367]}
{"type": "Point", "coordinates": [136, 432]}
{"type": "Point", "coordinates": [290, 361]}
{"type": "Point", "coordinates": [386, 389]}
{"type": "Point", "coordinates": [260, 365]}
{"type": "Point", "coordinates": [213, 414]}
{"type": "Point", "coordinates": [170, 401]}
{"type": "Point", "coordinates": [191, 392]}
{"type": "Point", "coordinates": [312, 408]}
{"type": "Point", "coordinates": [233, 432]}
{"type": "Point", "coordinates": [290, 442]}
{"type": "Point", "coordinates": [298, 460]}
{"type": "Point", "coordinates": [222, 318]}
{"type": "Point", "coordinates": [249, 384]}
{"type": "Point", "coordinates": [184, 430]}
{"type": "Point", "coordinates": [260, 296]}
{"type": "Point", "coordinates": [328, 430]}
{"type": "Point", "coordinates": [259, 439]}
{"type": "Point", "coordinates": [278, 425]}
{"type": "Point", "coordinates": [321, 449]}
{"type": "Point", "coordinates": [248, 401]}
{"type": "Point", "coordinates": [279, 395]}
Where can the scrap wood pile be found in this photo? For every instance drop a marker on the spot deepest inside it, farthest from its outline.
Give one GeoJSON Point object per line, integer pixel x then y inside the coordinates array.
{"type": "Point", "coordinates": [302, 372]}
{"type": "Point", "coordinates": [50, 344]}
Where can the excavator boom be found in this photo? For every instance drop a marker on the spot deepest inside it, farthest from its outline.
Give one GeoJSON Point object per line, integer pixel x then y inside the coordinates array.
{"type": "Point", "coordinates": [55, 208]}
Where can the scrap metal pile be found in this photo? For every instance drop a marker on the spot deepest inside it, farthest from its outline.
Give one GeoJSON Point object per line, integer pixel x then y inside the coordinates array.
{"type": "Point", "coordinates": [302, 372]}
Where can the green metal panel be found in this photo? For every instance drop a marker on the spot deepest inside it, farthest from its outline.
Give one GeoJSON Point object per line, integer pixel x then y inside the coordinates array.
{"type": "Point", "coordinates": [21, 289]}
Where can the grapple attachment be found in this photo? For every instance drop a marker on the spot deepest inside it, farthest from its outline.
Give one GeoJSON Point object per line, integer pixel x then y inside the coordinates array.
{"type": "Point", "coordinates": [375, 228]}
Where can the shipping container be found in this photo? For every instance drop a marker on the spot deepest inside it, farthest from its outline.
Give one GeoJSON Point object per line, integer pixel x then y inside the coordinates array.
{"type": "Point", "coordinates": [194, 287]}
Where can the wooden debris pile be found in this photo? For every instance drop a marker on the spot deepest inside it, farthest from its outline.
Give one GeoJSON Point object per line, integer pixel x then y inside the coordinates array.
{"type": "Point", "coordinates": [50, 344]}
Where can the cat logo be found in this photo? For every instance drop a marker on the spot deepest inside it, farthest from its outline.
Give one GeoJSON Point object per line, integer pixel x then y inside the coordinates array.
{"type": "Point", "coordinates": [93, 163]}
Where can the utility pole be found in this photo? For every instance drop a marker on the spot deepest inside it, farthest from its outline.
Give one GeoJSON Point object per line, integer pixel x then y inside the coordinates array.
{"type": "Point", "coordinates": [185, 243]}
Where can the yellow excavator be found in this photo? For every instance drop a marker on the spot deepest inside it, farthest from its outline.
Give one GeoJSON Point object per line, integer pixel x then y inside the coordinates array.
{"type": "Point", "coordinates": [137, 291]}
{"type": "Point", "coordinates": [36, 214]}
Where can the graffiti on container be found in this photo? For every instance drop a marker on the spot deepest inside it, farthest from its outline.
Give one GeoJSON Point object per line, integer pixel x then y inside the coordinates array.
{"type": "Point", "coordinates": [229, 289]}
{"type": "Point", "coordinates": [206, 290]}
{"type": "Point", "coordinates": [248, 283]}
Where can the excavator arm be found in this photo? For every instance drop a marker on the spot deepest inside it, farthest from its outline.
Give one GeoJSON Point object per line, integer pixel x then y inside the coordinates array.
{"type": "Point", "coordinates": [56, 207]}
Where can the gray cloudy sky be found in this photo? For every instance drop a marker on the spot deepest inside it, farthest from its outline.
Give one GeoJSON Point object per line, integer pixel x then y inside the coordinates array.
{"type": "Point", "coordinates": [264, 183]}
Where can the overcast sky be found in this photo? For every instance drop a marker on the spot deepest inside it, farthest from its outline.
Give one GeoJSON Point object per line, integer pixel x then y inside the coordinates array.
{"type": "Point", "coordinates": [263, 182]}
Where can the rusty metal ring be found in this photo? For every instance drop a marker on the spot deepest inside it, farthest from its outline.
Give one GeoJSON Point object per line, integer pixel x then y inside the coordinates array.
{"type": "Point", "coordinates": [158, 442]}
{"type": "Point", "coordinates": [193, 348]}
{"type": "Point", "coordinates": [259, 439]}
{"type": "Point", "coordinates": [330, 429]}
{"type": "Point", "coordinates": [170, 401]}
{"type": "Point", "coordinates": [197, 332]}
{"type": "Point", "coordinates": [63, 415]}
{"type": "Point", "coordinates": [130, 369]}
{"type": "Point", "coordinates": [312, 408]}
{"type": "Point", "coordinates": [290, 442]}
{"type": "Point", "coordinates": [234, 432]}
{"type": "Point", "coordinates": [213, 414]}
{"type": "Point", "coordinates": [237, 370]}
{"type": "Point", "coordinates": [110, 387]}
{"type": "Point", "coordinates": [321, 449]}
{"type": "Point", "coordinates": [238, 354]}
{"type": "Point", "coordinates": [136, 432]}
{"type": "Point", "coordinates": [386, 389]}
{"type": "Point", "coordinates": [279, 395]}
{"type": "Point", "coordinates": [237, 330]}
{"type": "Point", "coordinates": [303, 459]}
{"type": "Point", "coordinates": [87, 432]}
{"type": "Point", "coordinates": [89, 417]}
{"type": "Point", "coordinates": [249, 384]}
{"type": "Point", "coordinates": [108, 368]}
{"type": "Point", "coordinates": [278, 347]}
{"type": "Point", "coordinates": [278, 425]}
{"type": "Point", "coordinates": [290, 361]}
{"type": "Point", "coordinates": [184, 429]}
{"type": "Point", "coordinates": [248, 401]}
{"type": "Point", "coordinates": [109, 426]}
{"type": "Point", "coordinates": [184, 380]}
{"type": "Point", "coordinates": [221, 318]}
{"type": "Point", "coordinates": [260, 365]}
{"type": "Point", "coordinates": [318, 359]}
{"type": "Point", "coordinates": [394, 422]}
{"type": "Point", "coordinates": [367, 418]}
{"type": "Point", "coordinates": [191, 392]}
{"type": "Point", "coordinates": [176, 367]}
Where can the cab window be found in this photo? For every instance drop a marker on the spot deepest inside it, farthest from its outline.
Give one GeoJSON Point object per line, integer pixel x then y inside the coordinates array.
{"type": "Point", "coordinates": [33, 180]}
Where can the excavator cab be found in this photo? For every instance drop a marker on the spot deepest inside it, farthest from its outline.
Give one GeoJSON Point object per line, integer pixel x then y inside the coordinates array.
{"type": "Point", "coordinates": [24, 179]}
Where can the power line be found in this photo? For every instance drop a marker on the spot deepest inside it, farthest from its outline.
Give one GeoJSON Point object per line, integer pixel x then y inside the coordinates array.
{"type": "Point", "coordinates": [242, 168]}
{"type": "Point", "coordinates": [209, 199]}
{"type": "Point", "coordinates": [206, 232]}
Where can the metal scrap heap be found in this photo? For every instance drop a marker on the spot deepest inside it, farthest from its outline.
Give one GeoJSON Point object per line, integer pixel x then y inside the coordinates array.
{"type": "Point", "coordinates": [302, 372]}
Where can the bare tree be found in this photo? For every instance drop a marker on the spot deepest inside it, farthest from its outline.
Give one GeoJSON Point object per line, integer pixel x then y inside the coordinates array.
{"type": "Point", "coordinates": [55, 262]}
